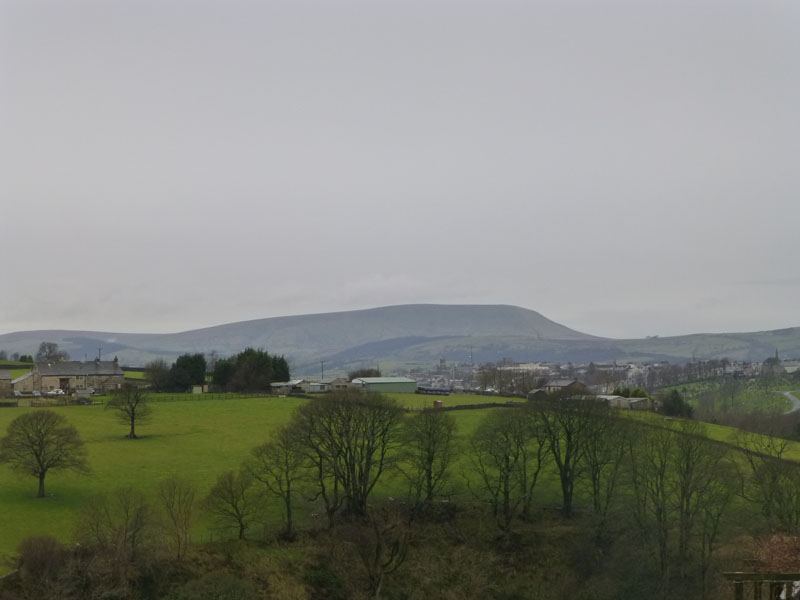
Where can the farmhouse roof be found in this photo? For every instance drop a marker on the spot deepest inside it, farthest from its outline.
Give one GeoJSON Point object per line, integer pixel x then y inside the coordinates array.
{"type": "Point", "coordinates": [5, 374]}
{"type": "Point", "coordinates": [77, 367]}
{"type": "Point", "coordinates": [292, 383]}
{"type": "Point", "coordinates": [561, 382]}
{"type": "Point", "coordinates": [22, 377]}
{"type": "Point", "coordinates": [365, 380]}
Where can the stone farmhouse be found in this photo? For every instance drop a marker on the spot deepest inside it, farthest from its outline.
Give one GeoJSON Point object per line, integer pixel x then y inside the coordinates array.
{"type": "Point", "coordinates": [103, 376]}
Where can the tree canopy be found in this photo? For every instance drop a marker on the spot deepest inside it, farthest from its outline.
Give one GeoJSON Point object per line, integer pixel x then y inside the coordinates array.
{"type": "Point", "coordinates": [157, 374]}
{"type": "Point", "coordinates": [188, 370]}
{"type": "Point", "coordinates": [250, 371]}
{"type": "Point", "coordinates": [365, 372]}
{"type": "Point", "coordinates": [50, 352]}
{"type": "Point", "coordinates": [130, 403]}
{"type": "Point", "coordinates": [674, 405]}
{"type": "Point", "coordinates": [42, 440]}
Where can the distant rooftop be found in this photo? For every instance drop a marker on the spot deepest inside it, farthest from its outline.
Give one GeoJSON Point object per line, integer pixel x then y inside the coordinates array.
{"type": "Point", "coordinates": [77, 367]}
{"type": "Point", "coordinates": [22, 377]}
{"type": "Point", "coordinates": [561, 383]}
{"type": "Point", "coordinates": [383, 380]}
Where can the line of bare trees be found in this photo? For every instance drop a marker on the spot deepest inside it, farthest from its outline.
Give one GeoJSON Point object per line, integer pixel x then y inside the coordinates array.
{"type": "Point", "coordinates": [673, 487]}
{"type": "Point", "coordinates": [334, 452]}
{"type": "Point", "coordinates": [675, 483]}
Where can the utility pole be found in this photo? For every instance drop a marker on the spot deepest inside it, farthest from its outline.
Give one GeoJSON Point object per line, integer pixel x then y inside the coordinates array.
{"type": "Point", "coordinates": [99, 353]}
{"type": "Point", "coordinates": [322, 369]}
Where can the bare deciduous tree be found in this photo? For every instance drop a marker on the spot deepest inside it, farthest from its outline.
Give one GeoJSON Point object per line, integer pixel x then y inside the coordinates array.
{"type": "Point", "coordinates": [651, 450]}
{"type": "Point", "coordinates": [428, 451]}
{"type": "Point", "coordinates": [50, 352]}
{"type": "Point", "coordinates": [682, 483]}
{"type": "Point", "coordinates": [350, 437]}
{"type": "Point", "coordinates": [176, 498]}
{"type": "Point", "coordinates": [698, 465]}
{"type": "Point", "coordinates": [382, 546]}
{"type": "Point", "coordinates": [605, 451]}
{"type": "Point", "coordinates": [531, 437]}
{"type": "Point", "coordinates": [775, 482]}
{"type": "Point", "coordinates": [156, 373]}
{"type": "Point", "coordinates": [231, 501]}
{"type": "Point", "coordinates": [279, 466]}
{"type": "Point", "coordinates": [508, 453]}
{"type": "Point", "coordinates": [130, 403]}
{"type": "Point", "coordinates": [568, 423]}
{"type": "Point", "coordinates": [40, 441]}
{"type": "Point", "coordinates": [118, 525]}
{"type": "Point", "coordinates": [719, 493]}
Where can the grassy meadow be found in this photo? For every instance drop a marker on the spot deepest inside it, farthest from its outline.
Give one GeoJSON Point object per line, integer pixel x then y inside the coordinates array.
{"type": "Point", "coordinates": [738, 395]}
{"type": "Point", "coordinates": [198, 439]}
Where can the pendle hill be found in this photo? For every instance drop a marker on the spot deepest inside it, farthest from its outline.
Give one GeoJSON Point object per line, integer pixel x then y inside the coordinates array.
{"type": "Point", "coordinates": [409, 335]}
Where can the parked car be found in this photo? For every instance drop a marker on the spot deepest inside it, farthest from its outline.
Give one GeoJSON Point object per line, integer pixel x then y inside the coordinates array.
{"type": "Point", "coordinates": [17, 394]}
{"type": "Point", "coordinates": [36, 394]}
{"type": "Point", "coordinates": [56, 392]}
{"type": "Point", "coordinates": [83, 395]}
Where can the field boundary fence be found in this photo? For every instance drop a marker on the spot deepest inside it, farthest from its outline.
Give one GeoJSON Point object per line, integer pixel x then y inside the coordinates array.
{"type": "Point", "coordinates": [469, 406]}
{"type": "Point", "coordinates": [206, 396]}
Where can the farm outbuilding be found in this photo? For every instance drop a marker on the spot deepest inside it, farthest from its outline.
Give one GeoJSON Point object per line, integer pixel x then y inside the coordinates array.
{"type": "Point", "coordinates": [5, 383]}
{"type": "Point", "coordinates": [334, 384]}
{"type": "Point", "coordinates": [613, 400]}
{"type": "Point", "coordinates": [386, 385]}
{"type": "Point", "coordinates": [23, 384]}
{"type": "Point", "coordinates": [560, 387]}
{"type": "Point", "coordinates": [564, 386]}
{"type": "Point", "coordinates": [295, 386]}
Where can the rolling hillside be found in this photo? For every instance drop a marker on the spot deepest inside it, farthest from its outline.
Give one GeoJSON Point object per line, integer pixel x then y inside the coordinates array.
{"type": "Point", "coordinates": [409, 335]}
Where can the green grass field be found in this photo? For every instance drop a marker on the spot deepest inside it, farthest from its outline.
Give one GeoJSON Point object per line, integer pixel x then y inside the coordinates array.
{"type": "Point", "coordinates": [738, 395]}
{"type": "Point", "coordinates": [198, 439]}
{"type": "Point", "coordinates": [419, 401]}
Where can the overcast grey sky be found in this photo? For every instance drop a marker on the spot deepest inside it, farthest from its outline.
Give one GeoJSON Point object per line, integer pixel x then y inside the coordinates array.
{"type": "Point", "coordinates": [624, 168]}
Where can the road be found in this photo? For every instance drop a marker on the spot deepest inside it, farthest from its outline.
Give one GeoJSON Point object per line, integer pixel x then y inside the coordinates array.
{"type": "Point", "coordinates": [795, 403]}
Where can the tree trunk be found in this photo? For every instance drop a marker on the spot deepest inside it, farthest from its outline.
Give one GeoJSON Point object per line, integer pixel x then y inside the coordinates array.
{"type": "Point", "coordinates": [566, 493]}
{"type": "Point", "coordinates": [132, 434]}
{"type": "Point", "coordinates": [378, 585]}
{"type": "Point", "coordinates": [355, 506]}
{"type": "Point", "coordinates": [289, 519]}
{"type": "Point", "coordinates": [40, 494]}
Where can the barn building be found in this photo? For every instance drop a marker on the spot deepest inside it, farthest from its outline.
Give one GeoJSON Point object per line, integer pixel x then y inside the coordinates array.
{"type": "Point", "coordinates": [5, 384]}
{"type": "Point", "coordinates": [385, 385]}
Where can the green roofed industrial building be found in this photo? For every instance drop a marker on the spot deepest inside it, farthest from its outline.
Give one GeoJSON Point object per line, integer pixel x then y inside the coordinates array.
{"type": "Point", "coordinates": [386, 385]}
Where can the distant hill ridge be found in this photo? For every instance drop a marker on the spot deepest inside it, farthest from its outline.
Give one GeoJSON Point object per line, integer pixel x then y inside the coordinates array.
{"type": "Point", "coordinates": [405, 335]}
